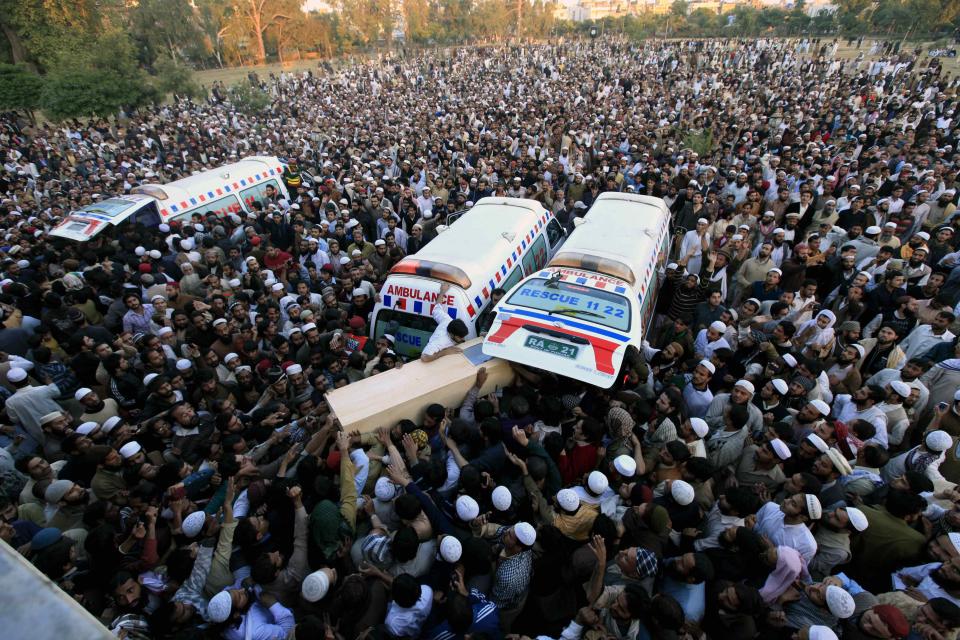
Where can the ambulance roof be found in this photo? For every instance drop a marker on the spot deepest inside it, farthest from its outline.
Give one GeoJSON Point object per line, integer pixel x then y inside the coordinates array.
{"type": "Point", "coordinates": [622, 227]}
{"type": "Point", "coordinates": [229, 178]}
{"type": "Point", "coordinates": [480, 240]}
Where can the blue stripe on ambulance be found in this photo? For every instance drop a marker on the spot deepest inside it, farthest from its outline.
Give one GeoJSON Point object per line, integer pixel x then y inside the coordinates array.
{"type": "Point", "coordinates": [619, 337]}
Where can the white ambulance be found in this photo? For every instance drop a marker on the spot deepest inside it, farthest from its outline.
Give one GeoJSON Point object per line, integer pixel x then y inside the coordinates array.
{"type": "Point", "coordinates": [231, 188]}
{"type": "Point", "coordinates": [493, 245]}
{"type": "Point", "coordinates": [576, 316]}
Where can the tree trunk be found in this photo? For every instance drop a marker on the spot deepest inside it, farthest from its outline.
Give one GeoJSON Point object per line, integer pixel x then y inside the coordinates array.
{"type": "Point", "coordinates": [17, 51]}
{"type": "Point", "coordinates": [256, 19]}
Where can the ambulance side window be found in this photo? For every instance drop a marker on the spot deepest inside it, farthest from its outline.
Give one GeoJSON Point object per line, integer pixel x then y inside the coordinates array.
{"type": "Point", "coordinates": [512, 278]}
{"type": "Point", "coordinates": [147, 216]}
{"type": "Point", "coordinates": [536, 257]}
{"type": "Point", "coordinates": [257, 192]}
{"type": "Point", "coordinates": [554, 233]}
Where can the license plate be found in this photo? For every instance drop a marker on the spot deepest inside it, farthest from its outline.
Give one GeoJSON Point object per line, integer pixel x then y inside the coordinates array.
{"type": "Point", "coordinates": [551, 346]}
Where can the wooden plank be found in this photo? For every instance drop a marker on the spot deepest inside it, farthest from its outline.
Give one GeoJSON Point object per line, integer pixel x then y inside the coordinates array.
{"type": "Point", "coordinates": [405, 393]}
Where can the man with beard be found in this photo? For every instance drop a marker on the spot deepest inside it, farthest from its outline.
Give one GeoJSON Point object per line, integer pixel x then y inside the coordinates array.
{"type": "Point", "coordinates": [731, 611]}
{"type": "Point", "coordinates": [763, 464]}
{"type": "Point", "coordinates": [770, 401]}
{"type": "Point", "coordinates": [108, 482]}
{"type": "Point", "coordinates": [696, 390]}
{"type": "Point", "coordinates": [190, 430]}
{"type": "Point", "coordinates": [881, 352]}
{"type": "Point", "coordinates": [862, 405]}
{"type": "Point", "coordinates": [847, 334]}
{"type": "Point", "coordinates": [786, 524]}
{"type": "Point", "coordinates": [795, 267]}
{"type": "Point", "coordinates": [843, 374]}
{"type": "Point", "coordinates": [903, 318]}
{"type": "Point", "coordinates": [886, 297]}
{"type": "Point", "coordinates": [752, 270]}
{"type": "Point", "coordinates": [684, 579]}
{"type": "Point", "coordinates": [223, 341]}
{"type": "Point", "coordinates": [933, 580]}
{"type": "Point", "coordinates": [268, 570]}
{"type": "Point", "coordinates": [66, 502]}
{"type": "Point", "coordinates": [95, 409]}
{"type": "Point", "coordinates": [831, 468]}
{"type": "Point", "coordinates": [767, 289]}
{"type": "Point", "coordinates": [161, 395]}
{"type": "Point", "coordinates": [833, 539]}
{"type": "Point", "coordinates": [926, 336]}
{"type": "Point", "coordinates": [729, 511]}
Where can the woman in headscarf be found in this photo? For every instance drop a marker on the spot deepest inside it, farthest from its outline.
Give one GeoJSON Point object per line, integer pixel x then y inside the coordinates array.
{"type": "Point", "coordinates": [815, 336]}
{"type": "Point", "coordinates": [788, 567]}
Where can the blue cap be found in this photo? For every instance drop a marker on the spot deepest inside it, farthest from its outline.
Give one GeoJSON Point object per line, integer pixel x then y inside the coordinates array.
{"type": "Point", "coordinates": [45, 538]}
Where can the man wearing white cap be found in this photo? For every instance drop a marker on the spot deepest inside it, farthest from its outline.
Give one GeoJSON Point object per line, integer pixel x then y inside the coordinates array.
{"type": "Point", "coordinates": [710, 339]}
{"type": "Point", "coordinates": [28, 405]}
{"type": "Point", "coordinates": [695, 242]}
{"type": "Point", "coordinates": [696, 390]}
{"type": "Point", "coordinates": [95, 408]}
{"type": "Point", "coordinates": [925, 458]}
{"type": "Point", "coordinates": [512, 577]}
{"type": "Point", "coordinates": [692, 432]}
{"type": "Point", "coordinates": [244, 618]}
{"type": "Point", "coordinates": [763, 464]}
{"type": "Point", "coordinates": [733, 417]}
{"type": "Point", "coordinates": [898, 392]}
{"type": "Point", "coordinates": [786, 524]}
{"type": "Point", "coordinates": [833, 539]}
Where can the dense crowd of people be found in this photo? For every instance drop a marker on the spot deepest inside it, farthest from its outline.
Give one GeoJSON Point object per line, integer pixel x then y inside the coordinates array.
{"type": "Point", "coordinates": [778, 458]}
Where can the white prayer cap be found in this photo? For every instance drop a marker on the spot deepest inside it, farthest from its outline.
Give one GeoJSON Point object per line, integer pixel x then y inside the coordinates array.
{"type": "Point", "coordinates": [501, 498]}
{"type": "Point", "coordinates": [16, 374]}
{"type": "Point", "coordinates": [315, 586]}
{"type": "Point", "coordinates": [220, 606]}
{"type": "Point", "coordinates": [625, 465]}
{"type": "Point", "coordinates": [130, 449]}
{"type": "Point", "coordinates": [82, 393]}
{"type": "Point", "coordinates": [193, 524]}
{"type": "Point", "coordinates": [87, 428]}
{"type": "Point", "coordinates": [746, 385]}
{"type": "Point", "coordinates": [467, 508]}
{"type": "Point", "coordinates": [781, 449]}
{"type": "Point", "coordinates": [857, 518]}
{"type": "Point", "coordinates": [682, 492]}
{"type": "Point", "coordinates": [817, 442]}
{"type": "Point", "coordinates": [597, 482]}
{"type": "Point", "coordinates": [568, 499]}
{"type": "Point", "coordinates": [839, 602]}
{"type": "Point", "coordinates": [700, 427]}
{"type": "Point", "coordinates": [525, 533]}
{"type": "Point", "coordinates": [450, 549]}
{"type": "Point", "coordinates": [938, 441]}
{"type": "Point", "coordinates": [780, 385]}
{"type": "Point", "coordinates": [814, 510]}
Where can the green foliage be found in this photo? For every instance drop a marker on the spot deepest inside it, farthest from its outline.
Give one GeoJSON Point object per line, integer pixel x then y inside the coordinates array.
{"type": "Point", "coordinates": [20, 88]}
{"type": "Point", "coordinates": [248, 98]}
{"type": "Point", "coordinates": [100, 80]}
{"type": "Point", "coordinates": [173, 77]}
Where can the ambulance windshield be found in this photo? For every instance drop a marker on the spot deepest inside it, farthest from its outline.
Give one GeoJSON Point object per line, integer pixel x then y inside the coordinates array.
{"type": "Point", "coordinates": [575, 301]}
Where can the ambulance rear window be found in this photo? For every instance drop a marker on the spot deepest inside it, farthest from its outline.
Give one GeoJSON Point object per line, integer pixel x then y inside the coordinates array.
{"type": "Point", "coordinates": [410, 331]}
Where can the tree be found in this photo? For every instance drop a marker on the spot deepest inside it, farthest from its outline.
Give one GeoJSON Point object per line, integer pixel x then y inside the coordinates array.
{"type": "Point", "coordinates": [260, 16]}
{"type": "Point", "coordinates": [176, 78]}
{"type": "Point", "coordinates": [99, 80]}
{"type": "Point", "coordinates": [20, 89]}
{"type": "Point", "coordinates": [165, 27]}
{"type": "Point", "coordinates": [368, 20]}
{"type": "Point", "coordinates": [248, 98]}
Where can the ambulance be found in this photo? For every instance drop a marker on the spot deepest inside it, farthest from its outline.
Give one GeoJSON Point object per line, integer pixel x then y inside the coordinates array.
{"type": "Point", "coordinates": [229, 189]}
{"type": "Point", "coordinates": [494, 245]}
{"type": "Point", "coordinates": [577, 316]}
